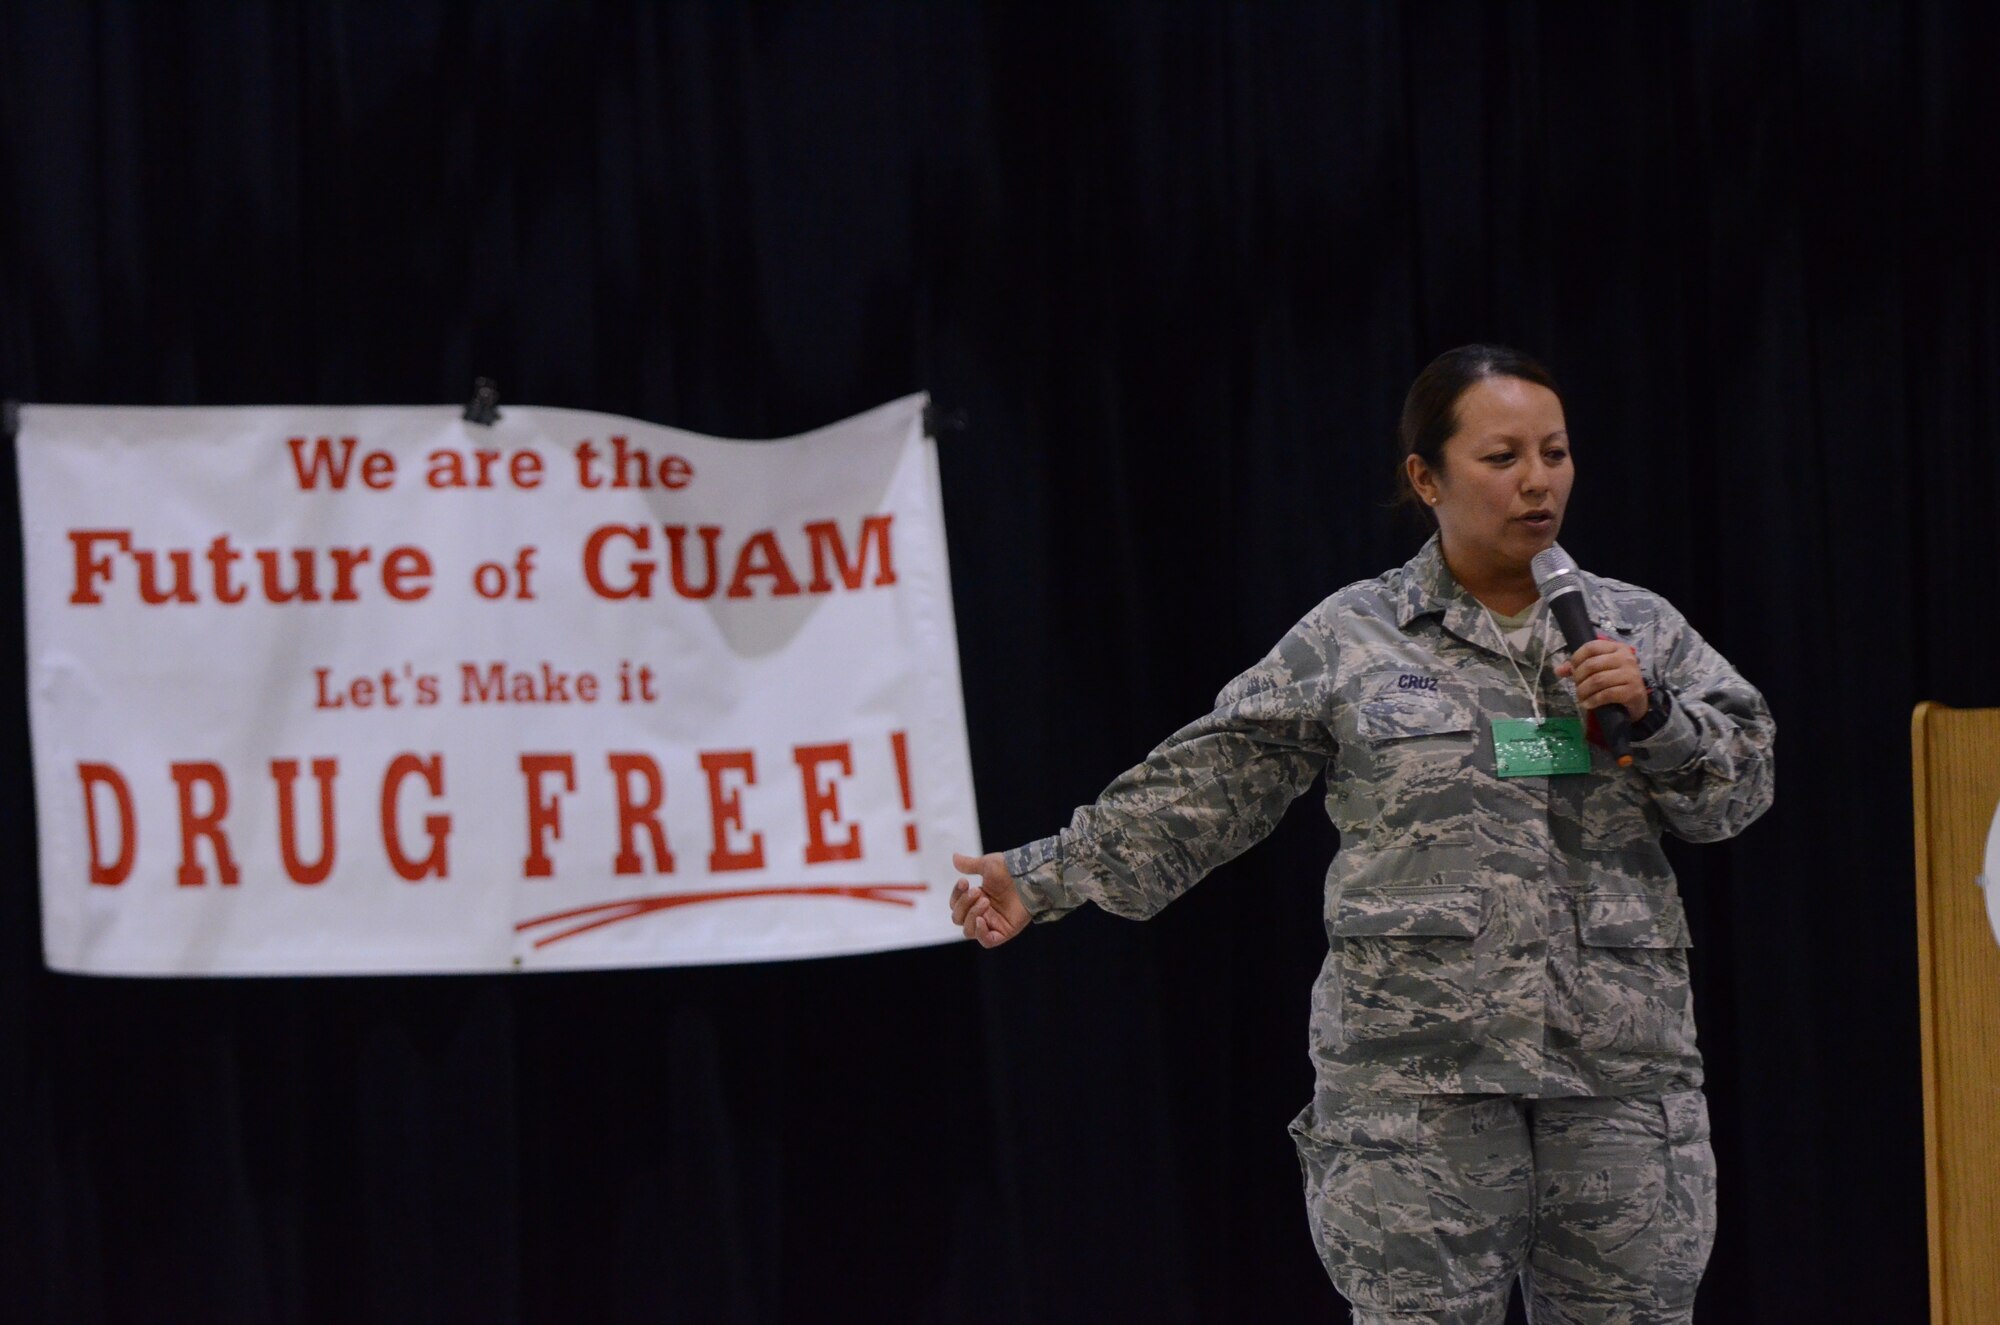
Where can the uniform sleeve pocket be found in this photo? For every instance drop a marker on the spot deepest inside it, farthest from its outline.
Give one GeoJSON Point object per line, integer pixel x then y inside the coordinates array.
{"type": "Point", "coordinates": [1440, 910]}
{"type": "Point", "coordinates": [1632, 920]}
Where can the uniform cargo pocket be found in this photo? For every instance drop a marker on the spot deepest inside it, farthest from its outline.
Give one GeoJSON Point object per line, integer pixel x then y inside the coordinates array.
{"type": "Point", "coordinates": [1414, 1205]}
{"type": "Point", "coordinates": [1632, 982]}
{"type": "Point", "coordinates": [1687, 1216]}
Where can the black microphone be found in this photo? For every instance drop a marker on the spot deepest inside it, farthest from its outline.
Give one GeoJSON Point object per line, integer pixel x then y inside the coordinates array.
{"type": "Point", "coordinates": [1561, 587]}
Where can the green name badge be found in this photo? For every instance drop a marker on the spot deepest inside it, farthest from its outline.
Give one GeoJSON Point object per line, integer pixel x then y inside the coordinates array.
{"type": "Point", "coordinates": [1524, 748]}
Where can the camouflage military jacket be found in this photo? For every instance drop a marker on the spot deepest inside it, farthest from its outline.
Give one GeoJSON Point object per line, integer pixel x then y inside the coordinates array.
{"type": "Point", "coordinates": [1520, 935]}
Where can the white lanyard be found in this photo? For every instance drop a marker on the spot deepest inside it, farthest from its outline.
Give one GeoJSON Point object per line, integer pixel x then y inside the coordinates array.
{"type": "Point", "coordinates": [1542, 630]}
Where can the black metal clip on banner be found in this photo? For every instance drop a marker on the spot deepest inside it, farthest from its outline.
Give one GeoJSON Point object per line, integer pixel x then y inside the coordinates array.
{"type": "Point", "coordinates": [484, 407]}
{"type": "Point", "coordinates": [938, 422]}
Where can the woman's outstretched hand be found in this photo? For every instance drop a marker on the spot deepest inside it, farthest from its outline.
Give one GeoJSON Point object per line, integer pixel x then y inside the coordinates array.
{"type": "Point", "coordinates": [987, 906]}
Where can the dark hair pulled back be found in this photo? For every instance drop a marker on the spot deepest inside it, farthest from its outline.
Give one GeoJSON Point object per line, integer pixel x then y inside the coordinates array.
{"type": "Point", "coordinates": [1430, 411]}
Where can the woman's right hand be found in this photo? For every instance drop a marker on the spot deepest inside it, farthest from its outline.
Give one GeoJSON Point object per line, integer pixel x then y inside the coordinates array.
{"type": "Point", "coordinates": [988, 906]}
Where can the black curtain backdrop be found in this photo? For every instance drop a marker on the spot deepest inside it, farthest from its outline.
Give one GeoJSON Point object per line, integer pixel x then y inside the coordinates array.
{"type": "Point", "coordinates": [1176, 264]}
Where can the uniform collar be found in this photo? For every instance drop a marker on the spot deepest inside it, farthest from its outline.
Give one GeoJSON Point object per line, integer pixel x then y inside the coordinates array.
{"type": "Point", "coordinates": [1429, 588]}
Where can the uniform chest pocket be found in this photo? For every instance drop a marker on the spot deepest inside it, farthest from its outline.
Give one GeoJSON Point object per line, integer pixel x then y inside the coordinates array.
{"type": "Point", "coordinates": [1406, 706]}
{"type": "Point", "coordinates": [1616, 811]}
{"type": "Point", "coordinates": [1415, 759]}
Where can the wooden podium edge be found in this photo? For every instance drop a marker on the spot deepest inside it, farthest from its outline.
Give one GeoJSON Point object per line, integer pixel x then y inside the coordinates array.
{"type": "Point", "coordinates": [1926, 1014]}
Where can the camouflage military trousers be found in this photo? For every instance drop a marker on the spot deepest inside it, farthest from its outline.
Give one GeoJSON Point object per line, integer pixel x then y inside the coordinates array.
{"type": "Point", "coordinates": [1426, 1207]}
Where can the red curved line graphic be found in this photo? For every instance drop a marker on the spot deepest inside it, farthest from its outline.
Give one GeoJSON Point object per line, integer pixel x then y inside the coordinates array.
{"type": "Point", "coordinates": [631, 908]}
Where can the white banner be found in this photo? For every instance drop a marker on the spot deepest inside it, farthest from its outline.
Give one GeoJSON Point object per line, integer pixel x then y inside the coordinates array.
{"type": "Point", "coordinates": [370, 690]}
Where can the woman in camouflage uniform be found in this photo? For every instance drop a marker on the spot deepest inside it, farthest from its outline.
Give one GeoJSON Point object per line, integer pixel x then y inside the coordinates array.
{"type": "Point", "coordinates": [1502, 1033]}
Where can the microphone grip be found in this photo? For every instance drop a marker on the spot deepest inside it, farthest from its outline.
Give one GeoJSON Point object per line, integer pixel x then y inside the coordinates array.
{"type": "Point", "coordinates": [1616, 724]}
{"type": "Point", "coordinates": [1573, 619]}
